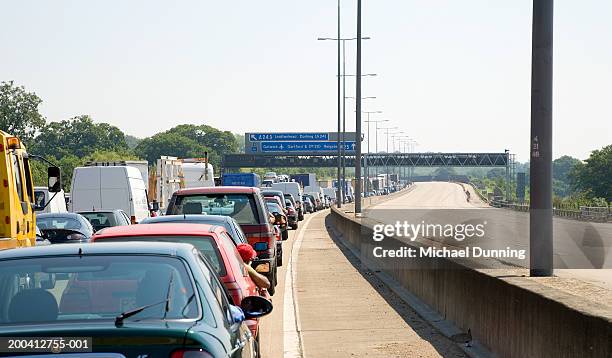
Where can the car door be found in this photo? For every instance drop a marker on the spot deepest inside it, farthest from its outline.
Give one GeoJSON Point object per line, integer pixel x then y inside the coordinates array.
{"type": "Point", "coordinates": [239, 335]}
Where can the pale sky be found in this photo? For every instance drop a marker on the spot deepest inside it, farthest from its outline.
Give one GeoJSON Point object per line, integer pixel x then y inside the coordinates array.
{"type": "Point", "coordinates": [454, 75]}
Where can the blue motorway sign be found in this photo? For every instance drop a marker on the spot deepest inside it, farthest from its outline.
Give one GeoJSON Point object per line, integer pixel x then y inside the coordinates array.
{"type": "Point", "coordinates": [310, 147]}
{"type": "Point", "coordinates": [258, 137]}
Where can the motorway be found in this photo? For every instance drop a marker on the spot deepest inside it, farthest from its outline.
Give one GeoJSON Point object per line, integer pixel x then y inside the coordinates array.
{"type": "Point", "coordinates": [328, 305]}
{"type": "Point", "coordinates": [581, 249]}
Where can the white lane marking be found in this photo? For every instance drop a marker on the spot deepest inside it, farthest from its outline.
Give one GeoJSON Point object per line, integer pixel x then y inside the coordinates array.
{"type": "Point", "coordinates": [292, 329]}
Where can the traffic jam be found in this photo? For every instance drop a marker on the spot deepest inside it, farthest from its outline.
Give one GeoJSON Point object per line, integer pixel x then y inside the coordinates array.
{"type": "Point", "coordinates": [173, 263]}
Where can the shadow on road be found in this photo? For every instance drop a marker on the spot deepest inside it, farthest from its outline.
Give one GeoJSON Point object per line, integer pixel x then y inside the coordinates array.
{"type": "Point", "coordinates": [444, 346]}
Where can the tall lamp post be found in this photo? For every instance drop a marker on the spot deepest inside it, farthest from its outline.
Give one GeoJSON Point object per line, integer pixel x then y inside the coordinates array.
{"type": "Point", "coordinates": [367, 158]}
{"type": "Point", "coordinates": [387, 129]}
{"type": "Point", "coordinates": [342, 127]}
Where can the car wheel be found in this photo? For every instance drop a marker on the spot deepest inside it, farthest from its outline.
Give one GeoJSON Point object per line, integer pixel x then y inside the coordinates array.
{"type": "Point", "coordinates": [279, 261]}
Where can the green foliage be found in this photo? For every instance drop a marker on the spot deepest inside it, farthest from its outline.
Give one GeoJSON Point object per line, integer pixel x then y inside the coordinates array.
{"type": "Point", "coordinates": [19, 114]}
{"type": "Point", "coordinates": [594, 176]}
{"type": "Point", "coordinates": [561, 169]}
{"type": "Point", "coordinates": [188, 141]}
{"type": "Point", "coordinates": [78, 136]}
{"type": "Point", "coordinates": [239, 142]}
{"type": "Point", "coordinates": [132, 141]}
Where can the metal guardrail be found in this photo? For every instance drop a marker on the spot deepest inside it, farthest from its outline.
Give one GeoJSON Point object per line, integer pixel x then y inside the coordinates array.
{"type": "Point", "coordinates": [585, 213]}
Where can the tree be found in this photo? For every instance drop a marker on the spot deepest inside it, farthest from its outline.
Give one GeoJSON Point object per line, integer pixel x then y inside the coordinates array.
{"type": "Point", "coordinates": [561, 169]}
{"type": "Point", "coordinates": [132, 141]}
{"type": "Point", "coordinates": [171, 144]}
{"type": "Point", "coordinates": [239, 142]}
{"type": "Point", "coordinates": [19, 114]}
{"type": "Point", "coordinates": [594, 176]}
{"type": "Point", "coordinates": [78, 136]}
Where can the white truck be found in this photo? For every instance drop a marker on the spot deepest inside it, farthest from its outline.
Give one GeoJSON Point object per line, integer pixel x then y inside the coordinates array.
{"type": "Point", "coordinates": [53, 202]}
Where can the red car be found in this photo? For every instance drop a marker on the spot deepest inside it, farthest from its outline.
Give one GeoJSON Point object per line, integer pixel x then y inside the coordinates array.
{"type": "Point", "coordinates": [211, 240]}
{"type": "Point", "coordinates": [246, 205]}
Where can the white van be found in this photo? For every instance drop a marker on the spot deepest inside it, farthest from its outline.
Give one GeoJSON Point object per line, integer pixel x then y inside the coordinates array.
{"type": "Point", "coordinates": [197, 174]}
{"type": "Point", "coordinates": [109, 187]}
{"type": "Point", "coordinates": [292, 188]}
{"type": "Point", "coordinates": [55, 202]}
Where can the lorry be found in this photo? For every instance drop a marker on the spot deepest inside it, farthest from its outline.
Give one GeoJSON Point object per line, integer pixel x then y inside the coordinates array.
{"type": "Point", "coordinates": [241, 179]}
{"type": "Point", "coordinates": [18, 224]}
{"type": "Point", "coordinates": [305, 179]}
{"type": "Point", "coordinates": [197, 172]}
{"type": "Point", "coordinates": [109, 187]}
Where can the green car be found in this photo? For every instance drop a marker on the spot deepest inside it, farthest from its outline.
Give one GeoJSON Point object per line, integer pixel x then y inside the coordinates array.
{"type": "Point", "coordinates": [131, 299]}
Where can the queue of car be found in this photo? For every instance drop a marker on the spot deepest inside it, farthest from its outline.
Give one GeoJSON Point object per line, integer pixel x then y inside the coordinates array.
{"type": "Point", "coordinates": [112, 270]}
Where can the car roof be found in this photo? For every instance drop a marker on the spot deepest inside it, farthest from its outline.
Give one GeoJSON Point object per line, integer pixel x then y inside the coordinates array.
{"type": "Point", "coordinates": [171, 229]}
{"type": "Point", "coordinates": [99, 211]}
{"type": "Point", "coordinates": [189, 217]}
{"type": "Point", "coordinates": [272, 191]}
{"type": "Point", "coordinates": [218, 190]}
{"type": "Point", "coordinates": [151, 248]}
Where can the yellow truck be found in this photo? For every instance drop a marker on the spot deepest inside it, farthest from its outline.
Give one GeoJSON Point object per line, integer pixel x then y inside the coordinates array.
{"type": "Point", "coordinates": [17, 219]}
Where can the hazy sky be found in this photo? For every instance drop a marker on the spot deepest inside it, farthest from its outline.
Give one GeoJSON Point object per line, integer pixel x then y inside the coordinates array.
{"type": "Point", "coordinates": [454, 75]}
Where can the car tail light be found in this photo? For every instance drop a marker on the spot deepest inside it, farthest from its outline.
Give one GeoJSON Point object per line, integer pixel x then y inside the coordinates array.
{"type": "Point", "coordinates": [75, 236]}
{"type": "Point", "coordinates": [190, 353]}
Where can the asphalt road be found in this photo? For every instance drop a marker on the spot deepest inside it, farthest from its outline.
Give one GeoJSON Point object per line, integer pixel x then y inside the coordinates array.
{"type": "Point", "coordinates": [327, 305]}
{"type": "Point", "coordinates": [581, 249]}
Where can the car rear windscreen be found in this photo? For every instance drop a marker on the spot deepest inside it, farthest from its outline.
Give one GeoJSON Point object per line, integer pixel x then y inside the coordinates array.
{"type": "Point", "coordinates": [241, 207]}
{"type": "Point", "coordinates": [43, 290]}
{"type": "Point", "coordinates": [205, 244]}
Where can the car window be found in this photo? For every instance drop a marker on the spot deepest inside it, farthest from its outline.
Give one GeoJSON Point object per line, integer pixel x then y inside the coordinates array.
{"type": "Point", "coordinates": [58, 222]}
{"type": "Point", "coordinates": [239, 233]}
{"type": "Point", "coordinates": [205, 244]}
{"type": "Point", "coordinates": [241, 207]}
{"type": "Point", "coordinates": [100, 287]}
{"type": "Point", "coordinates": [17, 177]}
{"type": "Point", "coordinates": [100, 220]}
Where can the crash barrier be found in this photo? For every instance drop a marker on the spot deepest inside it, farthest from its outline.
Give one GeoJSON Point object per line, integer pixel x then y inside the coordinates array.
{"type": "Point", "coordinates": [584, 213]}
{"type": "Point", "coordinates": [512, 316]}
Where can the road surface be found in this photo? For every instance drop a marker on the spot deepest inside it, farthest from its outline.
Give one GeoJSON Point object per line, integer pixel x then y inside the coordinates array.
{"type": "Point", "coordinates": [327, 305]}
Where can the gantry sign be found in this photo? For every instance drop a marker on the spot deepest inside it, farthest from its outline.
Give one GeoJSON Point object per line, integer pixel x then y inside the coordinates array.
{"type": "Point", "coordinates": [312, 160]}
{"type": "Point", "coordinates": [297, 143]}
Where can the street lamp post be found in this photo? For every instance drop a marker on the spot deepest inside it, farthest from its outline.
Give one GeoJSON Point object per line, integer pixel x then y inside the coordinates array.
{"type": "Point", "coordinates": [367, 158]}
{"type": "Point", "coordinates": [358, 117]}
{"type": "Point", "coordinates": [340, 192]}
{"type": "Point", "coordinates": [387, 152]}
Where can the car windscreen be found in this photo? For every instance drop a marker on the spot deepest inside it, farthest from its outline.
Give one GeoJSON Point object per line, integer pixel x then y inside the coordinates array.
{"type": "Point", "coordinates": [94, 287]}
{"type": "Point", "coordinates": [58, 222]}
{"type": "Point", "coordinates": [241, 207]}
{"type": "Point", "coordinates": [205, 244]}
{"type": "Point", "coordinates": [100, 220]}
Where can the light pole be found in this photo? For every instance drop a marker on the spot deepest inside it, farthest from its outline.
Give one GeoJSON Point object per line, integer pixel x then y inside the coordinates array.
{"type": "Point", "coordinates": [342, 128]}
{"type": "Point", "coordinates": [367, 158]}
{"type": "Point", "coordinates": [387, 151]}
{"type": "Point", "coordinates": [376, 137]}
{"type": "Point", "coordinates": [358, 117]}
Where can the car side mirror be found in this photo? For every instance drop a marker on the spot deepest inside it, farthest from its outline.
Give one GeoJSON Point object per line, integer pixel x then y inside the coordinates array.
{"type": "Point", "coordinates": [237, 316]}
{"type": "Point", "coordinates": [54, 179]}
{"type": "Point", "coordinates": [255, 306]}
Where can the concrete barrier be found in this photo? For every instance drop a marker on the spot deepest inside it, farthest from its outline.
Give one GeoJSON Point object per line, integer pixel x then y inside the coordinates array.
{"type": "Point", "coordinates": [512, 316]}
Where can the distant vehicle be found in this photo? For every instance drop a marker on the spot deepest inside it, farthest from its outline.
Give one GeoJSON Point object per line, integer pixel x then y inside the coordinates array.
{"type": "Point", "coordinates": [106, 218]}
{"type": "Point", "coordinates": [304, 179]}
{"type": "Point", "coordinates": [109, 187]}
{"type": "Point", "coordinates": [317, 199]}
{"type": "Point", "coordinates": [275, 206]}
{"type": "Point", "coordinates": [197, 172]}
{"type": "Point", "coordinates": [166, 294]}
{"type": "Point", "coordinates": [267, 183]}
{"type": "Point", "coordinates": [331, 193]}
{"type": "Point", "coordinates": [308, 201]}
{"type": "Point", "coordinates": [52, 202]}
{"type": "Point", "coordinates": [212, 241]}
{"type": "Point", "coordinates": [17, 193]}
{"type": "Point", "coordinates": [232, 227]}
{"type": "Point", "coordinates": [295, 190]}
{"type": "Point", "coordinates": [246, 206]}
{"type": "Point", "coordinates": [297, 205]}
{"type": "Point", "coordinates": [141, 165]}
{"type": "Point", "coordinates": [241, 179]}
{"type": "Point", "coordinates": [280, 223]}
{"type": "Point", "coordinates": [271, 176]}
{"type": "Point", "coordinates": [292, 217]}
{"type": "Point", "coordinates": [64, 228]}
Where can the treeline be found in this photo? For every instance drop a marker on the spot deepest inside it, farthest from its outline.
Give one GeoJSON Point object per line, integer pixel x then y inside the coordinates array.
{"type": "Point", "coordinates": [75, 141]}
